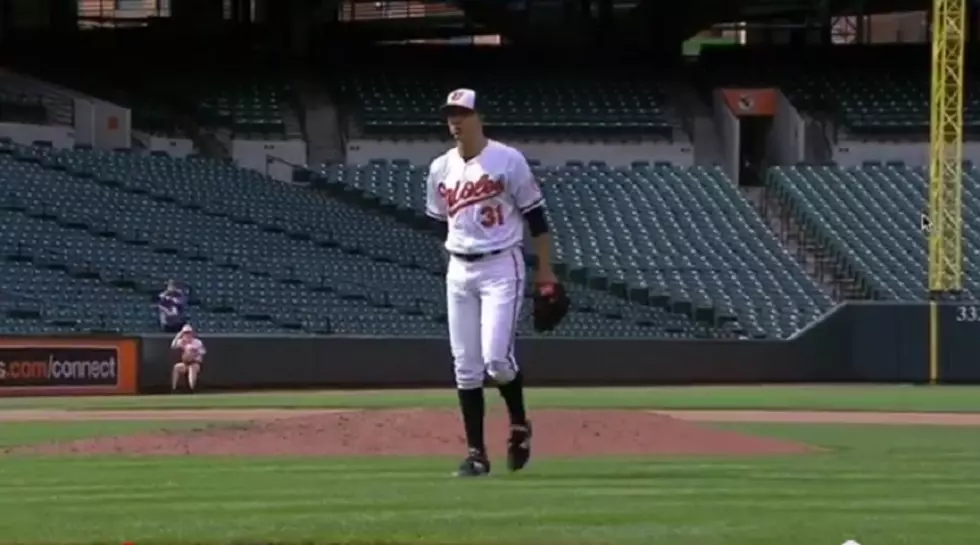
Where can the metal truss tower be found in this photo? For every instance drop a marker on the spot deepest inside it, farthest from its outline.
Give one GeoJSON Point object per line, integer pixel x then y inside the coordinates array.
{"type": "Point", "coordinates": [946, 147]}
{"type": "Point", "coordinates": [945, 216]}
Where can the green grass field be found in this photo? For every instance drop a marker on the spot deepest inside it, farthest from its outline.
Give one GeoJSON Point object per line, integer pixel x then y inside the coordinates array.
{"type": "Point", "coordinates": [822, 398]}
{"type": "Point", "coordinates": [876, 484]}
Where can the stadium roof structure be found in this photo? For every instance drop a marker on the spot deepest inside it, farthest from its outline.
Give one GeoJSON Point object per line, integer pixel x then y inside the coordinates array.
{"type": "Point", "coordinates": [641, 22]}
{"type": "Point", "coordinates": [631, 23]}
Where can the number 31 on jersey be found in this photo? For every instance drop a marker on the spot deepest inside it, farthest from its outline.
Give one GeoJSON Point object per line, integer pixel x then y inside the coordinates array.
{"type": "Point", "coordinates": [492, 215]}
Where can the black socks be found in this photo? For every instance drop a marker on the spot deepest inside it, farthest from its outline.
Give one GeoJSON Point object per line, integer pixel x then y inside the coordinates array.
{"type": "Point", "coordinates": [473, 407]}
{"type": "Point", "coordinates": [513, 394]}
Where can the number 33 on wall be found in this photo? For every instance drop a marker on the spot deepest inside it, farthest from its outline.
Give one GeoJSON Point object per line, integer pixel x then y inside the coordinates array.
{"type": "Point", "coordinates": [968, 313]}
{"type": "Point", "coordinates": [492, 215]}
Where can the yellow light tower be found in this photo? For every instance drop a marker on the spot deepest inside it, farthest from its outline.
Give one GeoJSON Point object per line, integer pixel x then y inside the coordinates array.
{"type": "Point", "coordinates": [949, 20]}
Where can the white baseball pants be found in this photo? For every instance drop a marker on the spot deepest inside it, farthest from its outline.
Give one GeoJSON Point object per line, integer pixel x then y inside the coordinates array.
{"type": "Point", "coordinates": [484, 303]}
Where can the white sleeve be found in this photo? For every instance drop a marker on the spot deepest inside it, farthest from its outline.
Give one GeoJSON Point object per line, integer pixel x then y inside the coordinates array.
{"type": "Point", "coordinates": [176, 342]}
{"type": "Point", "coordinates": [523, 187]}
{"type": "Point", "coordinates": [435, 205]}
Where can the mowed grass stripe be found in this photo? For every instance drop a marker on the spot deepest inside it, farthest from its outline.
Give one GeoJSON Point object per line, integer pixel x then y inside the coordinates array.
{"type": "Point", "coordinates": [826, 498]}
{"type": "Point", "coordinates": [729, 494]}
{"type": "Point", "coordinates": [809, 397]}
{"type": "Point", "coordinates": [14, 434]}
{"type": "Point", "coordinates": [876, 484]}
{"type": "Point", "coordinates": [377, 521]}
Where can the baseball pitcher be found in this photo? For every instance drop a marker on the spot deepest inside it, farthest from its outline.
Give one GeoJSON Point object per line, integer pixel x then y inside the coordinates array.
{"type": "Point", "coordinates": [481, 193]}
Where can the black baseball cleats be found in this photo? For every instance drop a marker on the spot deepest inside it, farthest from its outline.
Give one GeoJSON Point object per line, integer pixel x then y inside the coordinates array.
{"type": "Point", "coordinates": [519, 446]}
{"type": "Point", "coordinates": [477, 464]}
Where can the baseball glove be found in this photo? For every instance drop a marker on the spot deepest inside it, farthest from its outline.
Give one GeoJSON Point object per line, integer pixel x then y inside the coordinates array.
{"type": "Point", "coordinates": [551, 304]}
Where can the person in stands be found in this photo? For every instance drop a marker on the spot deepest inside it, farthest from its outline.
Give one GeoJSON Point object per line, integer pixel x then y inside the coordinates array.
{"type": "Point", "coordinates": [172, 308]}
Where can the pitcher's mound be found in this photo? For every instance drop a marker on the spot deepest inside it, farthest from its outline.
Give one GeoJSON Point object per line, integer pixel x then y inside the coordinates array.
{"type": "Point", "coordinates": [557, 433]}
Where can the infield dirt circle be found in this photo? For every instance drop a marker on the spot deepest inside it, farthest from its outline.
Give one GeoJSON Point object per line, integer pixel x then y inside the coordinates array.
{"type": "Point", "coordinates": [558, 433]}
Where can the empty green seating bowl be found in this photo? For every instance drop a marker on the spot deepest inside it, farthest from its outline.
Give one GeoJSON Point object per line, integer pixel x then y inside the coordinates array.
{"type": "Point", "coordinates": [248, 107]}
{"type": "Point", "coordinates": [91, 236]}
{"type": "Point", "coordinates": [251, 98]}
{"type": "Point", "coordinates": [681, 239]}
{"type": "Point", "coordinates": [544, 101]}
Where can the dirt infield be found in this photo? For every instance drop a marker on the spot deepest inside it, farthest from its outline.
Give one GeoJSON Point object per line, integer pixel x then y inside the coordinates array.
{"type": "Point", "coordinates": [558, 433]}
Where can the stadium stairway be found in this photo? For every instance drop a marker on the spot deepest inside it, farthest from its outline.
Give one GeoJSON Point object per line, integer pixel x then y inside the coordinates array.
{"type": "Point", "coordinates": [321, 122]}
{"type": "Point", "coordinates": [869, 219]}
{"type": "Point", "coordinates": [818, 261]}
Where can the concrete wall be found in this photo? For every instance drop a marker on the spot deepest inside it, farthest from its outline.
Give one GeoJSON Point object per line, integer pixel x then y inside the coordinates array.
{"type": "Point", "coordinates": [856, 342]}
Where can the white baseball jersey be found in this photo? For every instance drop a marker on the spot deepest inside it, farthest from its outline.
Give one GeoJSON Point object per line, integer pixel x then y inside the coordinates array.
{"type": "Point", "coordinates": [483, 200]}
{"type": "Point", "coordinates": [192, 350]}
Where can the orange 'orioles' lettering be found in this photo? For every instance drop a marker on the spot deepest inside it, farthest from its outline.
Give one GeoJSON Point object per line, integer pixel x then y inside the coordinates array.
{"type": "Point", "coordinates": [470, 193]}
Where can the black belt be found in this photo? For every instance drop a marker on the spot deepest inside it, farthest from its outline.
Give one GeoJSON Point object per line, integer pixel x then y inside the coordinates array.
{"type": "Point", "coordinates": [476, 257]}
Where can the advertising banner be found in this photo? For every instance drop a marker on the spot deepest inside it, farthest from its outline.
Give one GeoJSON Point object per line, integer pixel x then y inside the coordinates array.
{"type": "Point", "coordinates": [68, 366]}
